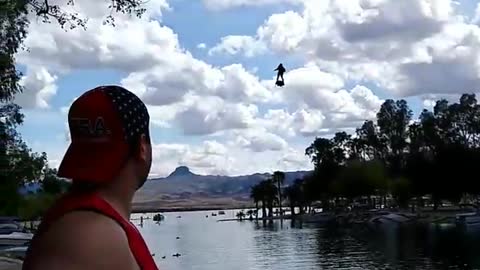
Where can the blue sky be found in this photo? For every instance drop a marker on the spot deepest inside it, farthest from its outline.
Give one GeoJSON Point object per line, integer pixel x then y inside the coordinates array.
{"type": "Point", "coordinates": [321, 96]}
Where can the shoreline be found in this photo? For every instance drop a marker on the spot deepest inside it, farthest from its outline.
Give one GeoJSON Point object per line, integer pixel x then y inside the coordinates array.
{"type": "Point", "coordinates": [146, 210]}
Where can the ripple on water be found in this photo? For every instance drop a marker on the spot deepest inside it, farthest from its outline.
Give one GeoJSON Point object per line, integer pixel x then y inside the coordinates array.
{"type": "Point", "coordinates": [207, 244]}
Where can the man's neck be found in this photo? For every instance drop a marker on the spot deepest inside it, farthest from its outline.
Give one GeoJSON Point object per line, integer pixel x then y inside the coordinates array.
{"type": "Point", "coordinates": [123, 206]}
{"type": "Point", "coordinates": [121, 200]}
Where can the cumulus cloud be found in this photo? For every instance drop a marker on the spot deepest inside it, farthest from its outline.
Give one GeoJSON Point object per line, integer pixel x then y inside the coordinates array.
{"type": "Point", "coordinates": [322, 101]}
{"type": "Point", "coordinates": [213, 157]}
{"type": "Point", "coordinates": [218, 5]}
{"type": "Point", "coordinates": [39, 86]}
{"type": "Point", "coordinates": [209, 115]}
{"type": "Point", "coordinates": [408, 20]}
{"type": "Point", "coordinates": [259, 140]}
{"type": "Point", "coordinates": [406, 47]}
{"type": "Point", "coordinates": [233, 45]}
{"type": "Point", "coordinates": [283, 32]}
{"type": "Point", "coordinates": [101, 46]}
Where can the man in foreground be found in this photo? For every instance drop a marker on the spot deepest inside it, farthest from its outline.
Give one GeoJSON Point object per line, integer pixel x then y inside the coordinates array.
{"type": "Point", "coordinates": [108, 159]}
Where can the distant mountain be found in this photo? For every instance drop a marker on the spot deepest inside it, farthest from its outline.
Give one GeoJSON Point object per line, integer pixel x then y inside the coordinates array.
{"type": "Point", "coordinates": [182, 171]}
{"type": "Point", "coordinates": [183, 185]}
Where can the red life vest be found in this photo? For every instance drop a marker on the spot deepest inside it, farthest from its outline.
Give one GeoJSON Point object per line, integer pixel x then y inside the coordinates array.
{"type": "Point", "coordinates": [93, 202]}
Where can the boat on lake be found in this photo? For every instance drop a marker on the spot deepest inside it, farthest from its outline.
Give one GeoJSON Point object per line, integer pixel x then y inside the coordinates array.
{"type": "Point", "coordinates": [221, 212]}
{"type": "Point", "coordinates": [9, 225]}
{"type": "Point", "coordinates": [15, 252]}
{"type": "Point", "coordinates": [471, 219]}
{"type": "Point", "coordinates": [391, 219]}
{"type": "Point", "coordinates": [158, 217]}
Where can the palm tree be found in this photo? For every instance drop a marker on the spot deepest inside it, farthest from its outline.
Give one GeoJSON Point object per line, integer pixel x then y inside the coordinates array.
{"type": "Point", "coordinates": [294, 195]}
{"type": "Point", "coordinates": [279, 178]}
{"type": "Point", "coordinates": [269, 191]}
{"type": "Point", "coordinates": [256, 195]}
{"type": "Point", "coordinates": [265, 192]}
{"type": "Point", "coordinates": [240, 215]}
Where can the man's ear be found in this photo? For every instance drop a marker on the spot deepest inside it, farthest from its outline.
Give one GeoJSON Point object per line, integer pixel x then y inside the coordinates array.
{"type": "Point", "coordinates": [143, 147]}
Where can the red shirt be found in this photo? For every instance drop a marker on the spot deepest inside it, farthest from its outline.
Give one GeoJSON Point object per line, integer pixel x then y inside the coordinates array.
{"type": "Point", "coordinates": [94, 202]}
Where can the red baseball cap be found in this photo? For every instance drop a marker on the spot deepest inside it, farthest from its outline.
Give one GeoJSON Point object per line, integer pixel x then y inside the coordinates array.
{"type": "Point", "coordinates": [103, 122]}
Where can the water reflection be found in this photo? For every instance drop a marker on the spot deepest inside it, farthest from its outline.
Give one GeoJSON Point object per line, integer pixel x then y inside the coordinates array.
{"type": "Point", "coordinates": [207, 244]}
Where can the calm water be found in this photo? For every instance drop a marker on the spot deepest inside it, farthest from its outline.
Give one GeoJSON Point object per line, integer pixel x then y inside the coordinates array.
{"type": "Point", "coordinates": [206, 244]}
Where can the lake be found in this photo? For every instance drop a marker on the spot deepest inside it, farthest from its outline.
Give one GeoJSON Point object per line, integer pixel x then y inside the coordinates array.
{"type": "Point", "coordinates": [205, 244]}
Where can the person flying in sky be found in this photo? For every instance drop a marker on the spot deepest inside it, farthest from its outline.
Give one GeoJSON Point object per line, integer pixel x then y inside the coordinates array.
{"type": "Point", "coordinates": [280, 70]}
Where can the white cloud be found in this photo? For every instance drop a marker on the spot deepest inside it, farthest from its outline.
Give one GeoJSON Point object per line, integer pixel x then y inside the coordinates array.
{"type": "Point", "coordinates": [39, 86]}
{"type": "Point", "coordinates": [229, 4]}
{"type": "Point", "coordinates": [202, 46]}
{"type": "Point", "coordinates": [238, 44]}
{"type": "Point", "coordinates": [283, 32]}
{"type": "Point", "coordinates": [259, 140]}
{"type": "Point", "coordinates": [312, 89]}
{"type": "Point", "coordinates": [100, 46]}
{"type": "Point", "coordinates": [476, 17]}
{"type": "Point", "coordinates": [237, 84]}
{"type": "Point", "coordinates": [213, 157]}
{"type": "Point", "coordinates": [406, 47]}
{"type": "Point", "coordinates": [212, 114]}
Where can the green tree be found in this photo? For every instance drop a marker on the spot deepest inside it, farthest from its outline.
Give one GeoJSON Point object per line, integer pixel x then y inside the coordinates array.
{"type": "Point", "coordinates": [401, 191]}
{"type": "Point", "coordinates": [393, 119]}
{"type": "Point", "coordinates": [320, 151]}
{"type": "Point", "coordinates": [240, 215]}
{"type": "Point", "coordinates": [268, 193]}
{"type": "Point", "coordinates": [53, 185]}
{"type": "Point", "coordinates": [256, 194]}
{"type": "Point", "coordinates": [368, 144]}
{"type": "Point", "coordinates": [361, 178]}
{"type": "Point", "coordinates": [13, 24]}
{"type": "Point", "coordinates": [279, 178]}
{"type": "Point", "coordinates": [295, 195]}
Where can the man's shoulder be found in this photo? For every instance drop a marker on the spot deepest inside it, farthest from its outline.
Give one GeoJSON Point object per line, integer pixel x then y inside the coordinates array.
{"type": "Point", "coordinates": [82, 237]}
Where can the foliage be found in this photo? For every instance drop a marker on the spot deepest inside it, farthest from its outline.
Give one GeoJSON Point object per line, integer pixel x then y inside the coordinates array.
{"type": "Point", "coordinates": [34, 206]}
{"type": "Point", "coordinates": [240, 215]}
{"type": "Point", "coordinates": [13, 24]}
{"type": "Point", "coordinates": [51, 184]}
{"type": "Point", "coordinates": [432, 157]}
{"type": "Point", "coordinates": [401, 191]}
{"type": "Point", "coordinates": [265, 192]}
{"type": "Point", "coordinates": [360, 178]}
{"type": "Point", "coordinates": [296, 195]}
{"type": "Point", "coordinates": [278, 178]}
